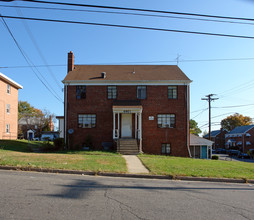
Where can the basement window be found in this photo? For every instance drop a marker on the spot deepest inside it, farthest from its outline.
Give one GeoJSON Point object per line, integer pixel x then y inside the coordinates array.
{"type": "Point", "coordinates": [7, 128]}
{"type": "Point", "coordinates": [165, 149]}
{"type": "Point", "coordinates": [80, 92]}
{"type": "Point", "coordinates": [172, 92]}
{"type": "Point", "coordinates": [86, 120]}
{"type": "Point", "coordinates": [166, 120]}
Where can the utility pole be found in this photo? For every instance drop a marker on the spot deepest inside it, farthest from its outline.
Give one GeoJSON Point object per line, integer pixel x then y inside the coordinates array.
{"type": "Point", "coordinates": [209, 99]}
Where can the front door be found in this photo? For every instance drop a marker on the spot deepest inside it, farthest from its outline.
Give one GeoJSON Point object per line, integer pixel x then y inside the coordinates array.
{"type": "Point", "coordinates": [126, 125]}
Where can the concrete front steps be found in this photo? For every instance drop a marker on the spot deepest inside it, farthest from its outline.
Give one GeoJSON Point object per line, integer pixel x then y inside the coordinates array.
{"type": "Point", "coordinates": [127, 146]}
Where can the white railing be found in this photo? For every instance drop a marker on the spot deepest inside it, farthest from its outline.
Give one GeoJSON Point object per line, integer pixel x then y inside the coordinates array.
{"type": "Point", "coordinates": [116, 134]}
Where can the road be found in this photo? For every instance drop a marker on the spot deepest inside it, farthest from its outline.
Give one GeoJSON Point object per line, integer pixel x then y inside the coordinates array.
{"type": "Point", "coordinates": [30, 195]}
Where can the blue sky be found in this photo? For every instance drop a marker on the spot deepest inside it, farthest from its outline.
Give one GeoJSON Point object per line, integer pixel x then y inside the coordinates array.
{"type": "Point", "coordinates": [232, 81]}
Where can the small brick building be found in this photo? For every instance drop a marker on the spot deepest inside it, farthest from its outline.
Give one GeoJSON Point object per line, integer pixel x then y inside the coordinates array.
{"type": "Point", "coordinates": [240, 138]}
{"type": "Point", "coordinates": [8, 107]}
{"type": "Point", "coordinates": [125, 104]}
{"type": "Point", "coordinates": [218, 137]}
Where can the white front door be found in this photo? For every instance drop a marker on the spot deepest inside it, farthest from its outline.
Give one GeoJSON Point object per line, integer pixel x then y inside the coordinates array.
{"type": "Point", "coordinates": [126, 125]}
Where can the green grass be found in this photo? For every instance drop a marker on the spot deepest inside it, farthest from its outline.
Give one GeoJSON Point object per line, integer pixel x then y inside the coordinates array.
{"type": "Point", "coordinates": [17, 153]}
{"type": "Point", "coordinates": [167, 165]}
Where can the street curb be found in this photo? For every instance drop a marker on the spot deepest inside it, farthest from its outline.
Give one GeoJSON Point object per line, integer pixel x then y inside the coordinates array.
{"type": "Point", "coordinates": [127, 175]}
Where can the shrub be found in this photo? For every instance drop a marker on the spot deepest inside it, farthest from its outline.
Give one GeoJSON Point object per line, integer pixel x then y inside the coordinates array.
{"type": "Point", "coordinates": [59, 144]}
{"type": "Point", "coordinates": [215, 157]}
{"type": "Point", "coordinates": [88, 142]}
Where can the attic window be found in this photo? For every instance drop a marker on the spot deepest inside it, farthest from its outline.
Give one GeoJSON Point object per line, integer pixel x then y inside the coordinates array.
{"type": "Point", "coordinates": [80, 92]}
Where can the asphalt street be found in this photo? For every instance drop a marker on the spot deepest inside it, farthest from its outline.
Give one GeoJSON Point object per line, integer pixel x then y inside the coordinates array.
{"type": "Point", "coordinates": [30, 195]}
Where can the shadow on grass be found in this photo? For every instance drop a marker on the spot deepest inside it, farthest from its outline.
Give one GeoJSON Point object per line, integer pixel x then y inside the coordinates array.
{"type": "Point", "coordinates": [19, 145]}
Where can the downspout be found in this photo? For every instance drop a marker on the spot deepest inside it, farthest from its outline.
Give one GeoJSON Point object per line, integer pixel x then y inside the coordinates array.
{"type": "Point", "coordinates": [188, 118]}
{"type": "Point", "coordinates": [65, 114]}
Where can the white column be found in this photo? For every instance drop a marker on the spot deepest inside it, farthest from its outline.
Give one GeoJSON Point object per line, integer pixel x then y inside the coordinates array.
{"type": "Point", "coordinates": [140, 125]}
{"type": "Point", "coordinates": [118, 124]}
{"type": "Point", "coordinates": [114, 124]}
{"type": "Point", "coordinates": [136, 127]}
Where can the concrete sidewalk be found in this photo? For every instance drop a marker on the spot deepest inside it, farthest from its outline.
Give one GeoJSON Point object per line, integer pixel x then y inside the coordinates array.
{"type": "Point", "coordinates": [134, 165]}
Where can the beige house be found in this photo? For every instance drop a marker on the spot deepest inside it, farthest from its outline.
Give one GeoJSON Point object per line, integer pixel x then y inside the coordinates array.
{"type": "Point", "coordinates": [8, 107]}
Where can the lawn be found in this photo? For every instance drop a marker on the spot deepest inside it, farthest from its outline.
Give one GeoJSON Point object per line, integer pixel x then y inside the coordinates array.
{"type": "Point", "coordinates": [168, 165]}
{"type": "Point", "coordinates": [18, 153]}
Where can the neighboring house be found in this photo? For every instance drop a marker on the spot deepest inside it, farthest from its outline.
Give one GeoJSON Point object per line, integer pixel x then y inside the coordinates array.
{"type": "Point", "coordinates": [137, 108]}
{"type": "Point", "coordinates": [200, 147]}
{"type": "Point", "coordinates": [35, 124]}
{"type": "Point", "coordinates": [8, 107]}
{"type": "Point", "coordinates": [241, 138]}
{"type": "Point", "coordinates": [218, 137]}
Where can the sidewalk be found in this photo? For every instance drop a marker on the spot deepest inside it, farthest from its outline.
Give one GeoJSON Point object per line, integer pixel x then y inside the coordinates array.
{"type": "Point", "coordinates": [134, 165]}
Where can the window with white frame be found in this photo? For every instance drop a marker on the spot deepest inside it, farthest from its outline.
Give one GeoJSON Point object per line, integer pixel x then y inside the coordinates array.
{"type": "Point", "coordinates": [86, 120]}
{"type": "Point", "coordinates": [166, 120]}
{"type": "Point", "coordinates": [141, 92]}
{"type": "Point", "coordinates": [172, 92]}
{"type": "Point", "coordinates": [165, 149]}
{"type": "Point", "coordinates": [80, 92]}
{"type": "Point", "coordinates": [7, 128]}
{"type": "Point", "coordinates": [8, 108]}
{"type": "Point", "coordinates": [112, 92]}
{"type": "Point", "coordinates": [8, 89]}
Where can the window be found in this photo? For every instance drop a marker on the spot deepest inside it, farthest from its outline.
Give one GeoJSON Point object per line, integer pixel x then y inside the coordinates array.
{"type": "Point", "coordinates": [86, 120]}
{"type": "Point", "coordinates": [141, 92]}
{"type": "Point", "coordinates": [7, 128]}
{"type": "Point", "coordinates": [165, 148]}
{"type": "Point", "coordinates": [8, 108]}
{"type": "Point", "coordinates": [8, 89]}
{"type": "Point", "coordinates": [80, 92]}
{"type": "Point", "coordinates": [172, 92]}
{"type": "Point", "coordinates": [166, 120]}
{"type": "Point", "coordinates": [112, 92]}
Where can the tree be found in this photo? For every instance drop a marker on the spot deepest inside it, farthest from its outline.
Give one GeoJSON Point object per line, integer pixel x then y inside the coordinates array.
{"type": "Point", "coordinates": [194, 129]}
{"type": "Point", "coordinates": [232, 121]}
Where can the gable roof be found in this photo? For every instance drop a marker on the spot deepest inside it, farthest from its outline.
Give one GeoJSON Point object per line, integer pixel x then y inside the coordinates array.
{"type": "Point", "coordinates": [213, 133]}
{"type": "Point", "coordinates": [198, 141]}
{"type": "Point", "coordinates": [10, 81]}
{"type": "Point", "coordinates": [241, 129]}
{"type": "Point", "coordinates": [129, 73]}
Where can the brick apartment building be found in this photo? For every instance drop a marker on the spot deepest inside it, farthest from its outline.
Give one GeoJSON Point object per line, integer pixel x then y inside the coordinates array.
{"type": "Point", "coordinates": [240, 138]}
{"type": "Point", "coordinates": [8, 107]}
{"type": "Point", "coordinates": [218, 137]}
{"type": "Point", "coordinates": [126, 106]}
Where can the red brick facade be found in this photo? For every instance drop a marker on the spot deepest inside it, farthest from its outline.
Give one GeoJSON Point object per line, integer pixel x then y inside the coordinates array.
{"type": "Point", "coordinates": [156, 102]}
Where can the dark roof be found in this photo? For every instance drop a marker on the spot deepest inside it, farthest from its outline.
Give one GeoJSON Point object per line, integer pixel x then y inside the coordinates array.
{"type": "Point", "coordinates": [213, 134]}
{"type": "Point", "coordinates": [93, 73]}
{"type": "Point", "coordinates": [241, 129]}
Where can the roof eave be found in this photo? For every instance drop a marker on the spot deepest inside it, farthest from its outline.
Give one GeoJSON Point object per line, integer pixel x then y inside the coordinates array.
{"type": "Point", "coordinates": [10, 81]}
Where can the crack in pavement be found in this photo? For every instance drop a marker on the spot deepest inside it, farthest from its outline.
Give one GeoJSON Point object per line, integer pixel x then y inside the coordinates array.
{"type": "Point", "coordinates": [124, 208]}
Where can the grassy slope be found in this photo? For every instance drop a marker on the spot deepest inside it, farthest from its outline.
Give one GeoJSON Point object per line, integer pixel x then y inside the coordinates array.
{"type": "Point", "coordinates": [16, 153]}
{"type": "Point", "coordinates": [166, 165]}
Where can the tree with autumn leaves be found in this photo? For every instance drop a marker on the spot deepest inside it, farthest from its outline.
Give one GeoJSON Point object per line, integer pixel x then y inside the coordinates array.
{"type": "Point", "coordinates": [33, 116]}
{"type": "Point", "coordinates": [232, 121]}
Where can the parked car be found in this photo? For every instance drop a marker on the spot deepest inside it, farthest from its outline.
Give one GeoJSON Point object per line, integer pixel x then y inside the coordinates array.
{"type": "Point", "coordinates": [243, 155]}
{"type": "Point", "coordinates": [233, 152]}
{"type": "Point", "coordinates": [251, 153]}
{"type": "Point", "coordinates": [220, 151]}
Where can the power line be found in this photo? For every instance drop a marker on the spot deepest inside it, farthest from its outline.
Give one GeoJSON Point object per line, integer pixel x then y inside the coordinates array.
{"type": "Point", "coordinates": [5, 67]}
{"type": "Point", "coordinates": [132, 27]}
{"type": "Point", "coordinates": [139, 9]}
{"type": "Point", "coordinates": [234, 106]}
{"type": "Point", "coordinates": [127, 13]}
{"type": "Point", "coordinates": [38, 49]}
{"type": "Point", "coordinates": [28, 60]}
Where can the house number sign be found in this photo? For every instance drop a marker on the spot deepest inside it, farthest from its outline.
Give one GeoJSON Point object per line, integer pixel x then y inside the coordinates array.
{"type": "Point", "coordinates": [126, 111]}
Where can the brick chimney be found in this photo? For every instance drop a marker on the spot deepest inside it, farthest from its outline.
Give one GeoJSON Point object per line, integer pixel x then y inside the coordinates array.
{"type": "Point", "coordinates": [70, 61]}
